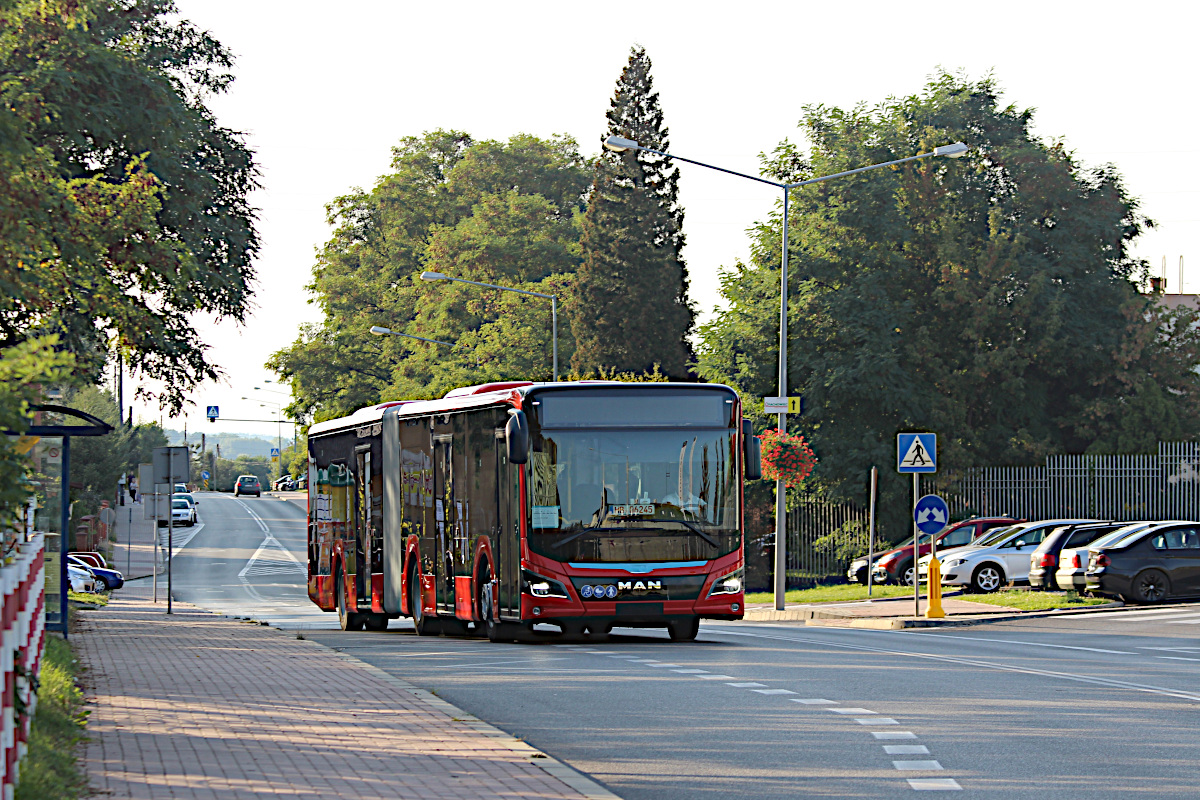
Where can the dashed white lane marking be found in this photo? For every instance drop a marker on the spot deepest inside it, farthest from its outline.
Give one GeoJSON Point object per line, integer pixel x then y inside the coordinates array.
{"type": "Point", "coordinates": [906, 749]}
{"type": "Point", "coordinates": [716, 677]}
{"type": "Point", "coordinates": [656, 666]}
{"type": "Point", "coordinates": [858, 711]}
{"type": "Point", "coordinates": [773, 691]}
{"type": "Point", "coordinates": [877, 721]}
{"type": "Point", "coordinates": [893, 734]}
{"type": "Point", "coordinates": [691, 671]}
{"type": "Point", "coordinates": [814, 701]}
{"type": "Point", "coordinates": [1062, 676]}
{"type": "Point", "coordinates": [644, 661]}
{"type": "Point", "coordinates": [934, 784]}
{"type": "Point", "coordinates": [1178, 658]}
{"type": "Point", "coordinates": [917, 765]}
{"type": "Point", "coordinates": [747, 685]}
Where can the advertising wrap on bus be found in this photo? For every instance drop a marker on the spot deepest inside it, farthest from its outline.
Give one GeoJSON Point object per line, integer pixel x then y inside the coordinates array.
{"type": "Point", "coordinates": [505, 506]}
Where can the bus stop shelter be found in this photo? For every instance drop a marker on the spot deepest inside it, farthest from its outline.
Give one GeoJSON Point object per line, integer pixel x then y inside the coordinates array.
{"type": "Point", "coordinates": [49, 449]}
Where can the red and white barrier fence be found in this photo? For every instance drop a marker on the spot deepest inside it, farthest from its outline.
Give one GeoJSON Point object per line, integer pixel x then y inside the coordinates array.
{"type": "Point", "coordinates": [23, 617]}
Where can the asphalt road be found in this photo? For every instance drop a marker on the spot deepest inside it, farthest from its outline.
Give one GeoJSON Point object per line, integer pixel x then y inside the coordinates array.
{"type": "Point", "coordinates": [1097, 706]}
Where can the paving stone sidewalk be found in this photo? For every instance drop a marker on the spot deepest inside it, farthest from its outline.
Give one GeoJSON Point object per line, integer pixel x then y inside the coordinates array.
{"type": "Point", "coordinates": [199, 706]}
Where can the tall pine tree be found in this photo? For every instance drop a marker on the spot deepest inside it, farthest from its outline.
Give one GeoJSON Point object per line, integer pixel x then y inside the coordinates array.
{"type": "Point", "coordinates": [630, 307]}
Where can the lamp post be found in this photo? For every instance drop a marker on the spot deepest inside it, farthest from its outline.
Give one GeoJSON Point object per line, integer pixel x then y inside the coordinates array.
{"type": "Point", "coordinates": [438, 276]}
{"type": "Point", "coordinates": [278, 428]}
{"type": "Point", "coordinates": [619, 144]}
{"type": "Point", "coordinates": [295, 437]}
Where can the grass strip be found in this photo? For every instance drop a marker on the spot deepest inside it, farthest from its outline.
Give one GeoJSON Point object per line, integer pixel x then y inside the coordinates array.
{"type": "Point", "coordinates": [826, 594]}
{"type": "Point", "coordinates": [50, 769]}
{"type": "Point", "coordinates": [90, 598]}
{"type": "Point", "coordinates": [1027, 600]}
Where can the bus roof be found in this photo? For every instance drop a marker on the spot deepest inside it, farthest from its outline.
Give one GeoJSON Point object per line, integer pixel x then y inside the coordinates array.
{"type": "Point", "coordinates": [467, 397]}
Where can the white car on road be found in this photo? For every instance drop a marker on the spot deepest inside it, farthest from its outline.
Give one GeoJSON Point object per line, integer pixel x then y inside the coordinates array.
{"type": "Point", "coordinates": [999, 557]}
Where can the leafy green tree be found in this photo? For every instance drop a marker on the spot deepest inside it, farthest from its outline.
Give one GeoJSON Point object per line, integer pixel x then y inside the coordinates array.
{"type": "Point", "coordinates": [495, 212]}
{"type": "Point", "coordinates": [98, 462]}
{"type": "Point", "coordinates": [630, 308]}
{"type": "Point", "coordinates": [123, 204]}
{"type": "Point", "coordinates": [991, 299]}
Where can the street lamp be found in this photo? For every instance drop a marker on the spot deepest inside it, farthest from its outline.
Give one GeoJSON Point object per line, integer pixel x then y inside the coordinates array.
{"type": "Point", "coordinates": [378, 331]}
{"type": "Point", "coordinates": [620, 144]}
{"type": "Point", "coordinates": [278, 427]}
{"type": "Point", "coordinates": [438, 276]}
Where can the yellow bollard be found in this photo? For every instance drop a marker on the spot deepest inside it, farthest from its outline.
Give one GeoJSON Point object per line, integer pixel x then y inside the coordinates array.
{"type": "Point", "coordinates": [934, 608]}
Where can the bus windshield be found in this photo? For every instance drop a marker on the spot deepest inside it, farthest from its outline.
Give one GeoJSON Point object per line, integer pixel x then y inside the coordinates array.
{"type": "Point", "coordinates": [619, 495]}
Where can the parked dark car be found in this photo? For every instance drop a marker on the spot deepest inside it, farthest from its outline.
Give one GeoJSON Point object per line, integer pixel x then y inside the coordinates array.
{"type": "Point", "coordinates": [1148, 566]}
{"type": "Point", "coordinates": [896, 565]}
{"type": "Point", "coordinates": [247, 484]}
{"type": "Point", "coordinates": [1043, 562]}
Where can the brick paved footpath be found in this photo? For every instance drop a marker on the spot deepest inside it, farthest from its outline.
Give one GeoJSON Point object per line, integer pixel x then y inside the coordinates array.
{"type": "Point", "coordinates": [196, 705]}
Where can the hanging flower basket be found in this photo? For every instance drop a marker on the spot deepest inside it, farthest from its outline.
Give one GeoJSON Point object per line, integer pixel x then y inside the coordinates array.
{"type": "Point", "coordinates": [786, 457]}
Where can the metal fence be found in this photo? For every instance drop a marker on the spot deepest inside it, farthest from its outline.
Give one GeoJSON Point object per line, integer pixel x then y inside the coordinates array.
{"type": "Point", "coordinates": [1161, 486]}
{"type": "Point", "coordinates": [812, 561]}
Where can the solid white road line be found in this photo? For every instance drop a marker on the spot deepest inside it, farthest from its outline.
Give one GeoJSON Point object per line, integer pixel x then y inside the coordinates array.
{"type": "Point", "coordinates": [1163, 615]}
{"type": "Point", "coordinates": [1030, 644]}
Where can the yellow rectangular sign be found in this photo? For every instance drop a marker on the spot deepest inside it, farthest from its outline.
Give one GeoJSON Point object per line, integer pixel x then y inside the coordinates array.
{"type": "Point", "coordinates": [795, 405]}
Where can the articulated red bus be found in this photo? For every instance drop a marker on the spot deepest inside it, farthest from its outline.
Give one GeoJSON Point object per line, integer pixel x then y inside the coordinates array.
{"type": "Point", "coordinates": [583, 505]}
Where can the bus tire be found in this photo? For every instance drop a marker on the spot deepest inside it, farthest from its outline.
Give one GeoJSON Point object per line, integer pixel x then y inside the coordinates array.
{"type": "Point", "coordinates": [684, 630]}
{"type": "Point", "coordinates": [348, 620]}
{"type": "Point", "coordinates": [495, 630]}
{"type": "Point", "coordinates": [424, 625]}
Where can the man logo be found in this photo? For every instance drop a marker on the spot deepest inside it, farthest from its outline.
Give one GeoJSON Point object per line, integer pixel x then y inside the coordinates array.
{"type": "Point", "coordinates": [639, 586]}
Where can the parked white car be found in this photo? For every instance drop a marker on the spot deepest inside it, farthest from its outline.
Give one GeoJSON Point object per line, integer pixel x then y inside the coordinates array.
{"type": "Point", "coordinates": [81, 579]}
{"type": "Point", "coordinates": [997, 558]}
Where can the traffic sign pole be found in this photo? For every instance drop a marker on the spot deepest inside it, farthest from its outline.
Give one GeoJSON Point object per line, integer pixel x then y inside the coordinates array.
{"type": "Point", "coordinates": [916, 547]}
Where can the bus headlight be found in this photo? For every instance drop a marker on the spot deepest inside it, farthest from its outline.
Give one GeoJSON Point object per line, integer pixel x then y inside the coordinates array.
{"type": "Point", "coordinates": [536, 585]}
{"type": "Point", "coordinates": [730, 583]}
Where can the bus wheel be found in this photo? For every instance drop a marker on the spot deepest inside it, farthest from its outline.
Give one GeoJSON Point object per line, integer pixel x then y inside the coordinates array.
{"type": "Point", "coordinates": [495, 630]}
{"type": "Point", "coordinates": [423, 624]}
{"type": "Point", "coordinates": [684, 630]}
{"type": "Point", "coordinates": [348, 620]}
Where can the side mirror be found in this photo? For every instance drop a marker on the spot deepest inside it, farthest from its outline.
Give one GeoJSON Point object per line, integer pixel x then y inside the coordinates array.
{"type": "Point", "coordinates": [752, 449]}
{"type": "Point", "coordinates": [1020, 543]}
{"type": "Point", "coordinates": [516, 437]}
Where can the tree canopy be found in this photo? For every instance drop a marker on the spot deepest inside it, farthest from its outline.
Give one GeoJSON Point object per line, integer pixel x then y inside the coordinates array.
{"type": "Point", "coordinates": [992, 299]}
{"type": "Point", "coordinates": [503, 213]}
{"type": "Point", "coordinates": [123, 204]}
{"type": "Point", "coordinates": [630, 309]}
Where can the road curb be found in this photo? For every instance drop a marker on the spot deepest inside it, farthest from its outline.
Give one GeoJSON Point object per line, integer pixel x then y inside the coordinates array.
{"type": "Point", "coordinates": [576, 780]}
{"type": "Point", "coordinates": [901, 623]}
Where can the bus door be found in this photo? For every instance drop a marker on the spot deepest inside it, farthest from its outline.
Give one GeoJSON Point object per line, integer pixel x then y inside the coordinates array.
{"type": "Point", "coordinates": [363, 526]}
{"type": "Point", "coordinates": [507, 546]}
{"type": "Point", "coordinates": [444, 519]}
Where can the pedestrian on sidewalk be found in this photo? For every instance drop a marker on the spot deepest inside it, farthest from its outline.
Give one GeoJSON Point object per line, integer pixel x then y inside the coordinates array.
{"type": "Point", "coordinates": [133, 488]}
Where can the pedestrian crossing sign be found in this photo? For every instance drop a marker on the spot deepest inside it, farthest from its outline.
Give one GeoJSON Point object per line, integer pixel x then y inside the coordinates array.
{"type": "Point", "coordinates": [916, 452]}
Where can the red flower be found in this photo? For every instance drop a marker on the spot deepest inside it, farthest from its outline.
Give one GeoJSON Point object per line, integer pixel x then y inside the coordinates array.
{"type": "Point", "coordinates": [786, 457]}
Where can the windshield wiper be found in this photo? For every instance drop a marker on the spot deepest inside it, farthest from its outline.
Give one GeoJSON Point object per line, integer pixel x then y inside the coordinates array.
{"type": "Point", "coordinates": [584, 532]}
{"type": "Point", "coordinates": [691, 526]}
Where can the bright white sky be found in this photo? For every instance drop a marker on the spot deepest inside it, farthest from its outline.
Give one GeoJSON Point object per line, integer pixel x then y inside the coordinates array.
{"type": "Point", "coordinates": [324, 90]}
